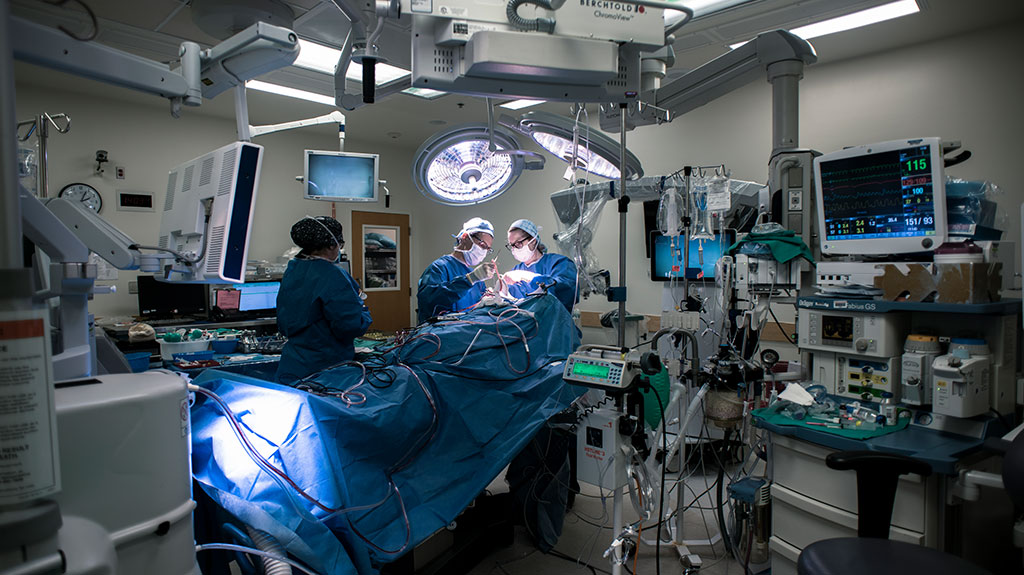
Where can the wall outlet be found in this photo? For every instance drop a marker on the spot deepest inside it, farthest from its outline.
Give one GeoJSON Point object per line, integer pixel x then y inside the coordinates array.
{"type": "Point", "coordinates": [133, 287]}
{"type": "Point", "coordinates": [119, 172]}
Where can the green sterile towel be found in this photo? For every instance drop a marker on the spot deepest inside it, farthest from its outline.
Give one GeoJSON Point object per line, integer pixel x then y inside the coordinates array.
{"type": "Point", "coordinates": [769, 415]}
{"type": "Point", "coordinates": [785, 245]}
{"type": "Point", "coordinates": [652, 410]}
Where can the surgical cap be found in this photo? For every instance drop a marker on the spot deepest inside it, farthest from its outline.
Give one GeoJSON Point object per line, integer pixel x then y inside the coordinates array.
{"type": "Point", "coordinates": [316, 233]}
{"type": "Point", "coordinates": [529, 228]}
{"type": "Point", "coordinates": [477, 225]}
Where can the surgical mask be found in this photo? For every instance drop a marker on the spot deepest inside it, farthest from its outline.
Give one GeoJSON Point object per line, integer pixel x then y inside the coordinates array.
{"type": "Point", "coordinates": [473, 255]}
{"type": "Point", "coordinates": [523, 254]}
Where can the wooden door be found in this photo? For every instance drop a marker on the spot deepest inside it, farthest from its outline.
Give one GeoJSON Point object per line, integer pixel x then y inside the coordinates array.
{"type": "Point", "coordinates": [380, 263]}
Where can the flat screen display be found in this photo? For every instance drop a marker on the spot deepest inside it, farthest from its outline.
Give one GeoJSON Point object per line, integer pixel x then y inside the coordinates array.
{"type": "Point", "coordinates": [882, 199]}
{"type": "Point", "coordinates": [590, 370]}
{"type": "Point", "coordinates": [837, 328]}
{"type": "Point", "coordinates": [667, 260]}
{"type": "Point", "coordinates": [341, 176]}
{"type": "Point", "coordinates": [167, 300]}
{"type": "Point", "coordinates": [248, 297]}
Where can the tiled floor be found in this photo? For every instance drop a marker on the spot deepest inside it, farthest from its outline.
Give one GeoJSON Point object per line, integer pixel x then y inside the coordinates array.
{"type": "Point", "coordinates": [583, 540]}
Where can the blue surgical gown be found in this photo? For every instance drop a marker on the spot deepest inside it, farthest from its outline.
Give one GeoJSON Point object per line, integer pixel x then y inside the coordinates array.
{"type": "Point", "coordinates": [555, 271]}
{"type": "Point", "coordinates": [320, 312]}
{"type": "Point", "coordinates": [444, 287]}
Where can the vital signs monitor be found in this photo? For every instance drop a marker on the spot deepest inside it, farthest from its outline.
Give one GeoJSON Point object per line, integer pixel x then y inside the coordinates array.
{"type": "Point", "coordinates": [878, 199]}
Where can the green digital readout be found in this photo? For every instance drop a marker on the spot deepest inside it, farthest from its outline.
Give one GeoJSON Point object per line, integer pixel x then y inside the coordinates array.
{"type": "Point", "coordinates": [590, 370]}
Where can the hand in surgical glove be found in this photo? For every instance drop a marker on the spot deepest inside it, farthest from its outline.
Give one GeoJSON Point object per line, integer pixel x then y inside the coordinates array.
{"type": "Point", "coordinates": [482, 272]}
{"type": "Point", "coordinates": [516, 276]}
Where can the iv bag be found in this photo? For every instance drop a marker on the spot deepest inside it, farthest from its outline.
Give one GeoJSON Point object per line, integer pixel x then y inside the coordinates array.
{"type": "Point", "coordinates": [702, 226]}
{"type": "Point", "coordinates": [670, 213]}
{"type": "Point", "coordinates": [719, 196]}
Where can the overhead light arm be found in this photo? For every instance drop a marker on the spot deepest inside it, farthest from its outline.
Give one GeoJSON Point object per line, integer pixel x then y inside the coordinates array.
{"type": "Point", "coordinates": [714, 79]}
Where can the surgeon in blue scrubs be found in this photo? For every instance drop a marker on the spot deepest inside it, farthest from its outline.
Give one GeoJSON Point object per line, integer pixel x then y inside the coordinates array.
{"type": "Point", "coordinates": [455, 282]}
{"type": "Point", "coordinates": [318, 307]}
{"type": "Point", "coordinates": [555, 272]}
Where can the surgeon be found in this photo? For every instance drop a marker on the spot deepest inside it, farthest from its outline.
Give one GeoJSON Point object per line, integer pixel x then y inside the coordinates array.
{"type": "Point", "coordinates": [455, 281]}
{"type": "Point", "coordinates": [555, 272]}
{"type": "Point", "coordinates": [319, 308]}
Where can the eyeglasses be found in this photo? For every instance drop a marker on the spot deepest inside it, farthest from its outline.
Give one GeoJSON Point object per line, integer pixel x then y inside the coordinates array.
{"type": "Point", "coordinates": [480, 243]}
{"type": "Point", "coordinates": [519, 244]}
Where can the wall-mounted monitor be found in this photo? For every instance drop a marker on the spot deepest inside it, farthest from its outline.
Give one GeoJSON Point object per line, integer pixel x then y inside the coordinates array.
{"type": "Point", "coordinates": [667, 256]}
{"type": "Point", "coordinates": [341, 176]}
{"type": "Point", "coordinates": [880, 199]}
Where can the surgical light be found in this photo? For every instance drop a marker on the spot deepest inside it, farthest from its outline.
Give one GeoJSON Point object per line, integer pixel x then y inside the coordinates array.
{"type": "Point", "coordinates": [456, 167]}
{"type": "Point", "coordinates": [595, 152]}
{"type": "Point", "coordinates": [855, 20]}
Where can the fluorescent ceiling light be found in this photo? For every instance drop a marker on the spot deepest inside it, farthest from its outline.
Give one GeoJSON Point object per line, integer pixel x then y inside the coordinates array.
{"type": "Point", "coordinates": [425, 93]}
{"type": "Point", "coordinates": [290, 92]}
{"type": "Point", "coordinates": [520, 104]}
{"type": "Point", "coordinates": [320, 58]}
{"type": "Point", "coordinates": [855, 20]}
{"type": "Point", "coordinates": [702, 8]}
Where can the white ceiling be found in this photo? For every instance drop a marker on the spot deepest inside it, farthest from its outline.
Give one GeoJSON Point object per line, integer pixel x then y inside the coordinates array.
{"type": "Point", "coordinates": [153, 29]}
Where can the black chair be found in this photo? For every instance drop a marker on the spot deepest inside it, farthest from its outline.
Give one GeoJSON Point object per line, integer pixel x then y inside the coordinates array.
{"type": "Point", "coordinates": [871, 552]}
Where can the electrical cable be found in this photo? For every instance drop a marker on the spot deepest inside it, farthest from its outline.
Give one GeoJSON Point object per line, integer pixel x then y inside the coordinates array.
{"type": "Point", "coordinates": [779, 325]}
{"type": "Point", "coordinates": [252, 551]}
{"type": "Point", "coordinates": [661, 498]}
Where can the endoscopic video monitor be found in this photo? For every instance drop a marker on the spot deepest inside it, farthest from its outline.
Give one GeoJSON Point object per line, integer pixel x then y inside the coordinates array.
{"type": "Point", "coordinates": [667, 260]}
{"type": "Point", "coordinates": [341, 176]}
{"type": "Point", "coordinates": [880, 199]}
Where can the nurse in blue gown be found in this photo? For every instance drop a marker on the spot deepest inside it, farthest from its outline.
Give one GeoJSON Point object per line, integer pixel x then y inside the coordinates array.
{"type": "Point", "coordinates": [555, 272]}
{"type": "Point", "coordinates": [455, 282]}
{"type": "Point", "coordinates": [318, 307]}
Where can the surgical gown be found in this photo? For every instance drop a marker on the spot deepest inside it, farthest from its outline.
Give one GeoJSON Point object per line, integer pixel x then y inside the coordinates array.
{"type": "Point", "coordinates": [320, 312]}
{"type": "Point", "coordinates": [444, 287]}
{"type": "Point", "coordinates": [553, 270]}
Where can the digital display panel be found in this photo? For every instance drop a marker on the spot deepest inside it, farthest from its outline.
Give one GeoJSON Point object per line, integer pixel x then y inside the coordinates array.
{"type": "Point", "coordinates": [257, 296]}
{"type": "Point", "coordinates": [882, 195]}
{"type": "Point", "coordinates": [667, 260]}
{"type": "Point", "coordinates": [590, 370]}
{"type": "Point", "coordinates": [340, 176]}
{"type": "Point", "coordinates": [837, 328]}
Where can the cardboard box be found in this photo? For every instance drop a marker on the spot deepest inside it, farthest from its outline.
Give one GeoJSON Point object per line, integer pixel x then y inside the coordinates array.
{"type": "Point", "coordinates": [941, 283]}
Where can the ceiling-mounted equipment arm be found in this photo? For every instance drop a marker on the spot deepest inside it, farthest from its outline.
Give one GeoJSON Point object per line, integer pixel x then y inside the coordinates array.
{"type": "Point", "coordinates": [334, 117]}
{"type": "Point", "coordinates": [715, 79]}
{"type": "Point", "coordinates": [256, 50]}
{"type": "Point", "coordinates": [349, 100]}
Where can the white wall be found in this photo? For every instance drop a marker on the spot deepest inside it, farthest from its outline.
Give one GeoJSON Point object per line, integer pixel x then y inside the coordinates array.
{"type": "Point", "coordinates": [145, 140]}
{"type": "Point", "coordinates": [960, 88]}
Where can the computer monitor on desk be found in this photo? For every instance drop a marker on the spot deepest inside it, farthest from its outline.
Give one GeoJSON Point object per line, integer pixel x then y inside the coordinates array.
{"type": "Point", "coordinates": [246, 301]}
{"type": "Point", "coordinates": [164, 300]}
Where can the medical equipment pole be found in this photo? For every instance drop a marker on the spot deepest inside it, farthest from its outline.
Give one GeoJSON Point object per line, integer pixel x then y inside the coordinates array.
{"type": "Point", "coordinates": [10, 209]}
{"type": "Point", "coordinates": [686, 234]}
{"type": "Point", "coordinates": [623, 202]}
{"type": "Point", "coordinates": [25, 522]}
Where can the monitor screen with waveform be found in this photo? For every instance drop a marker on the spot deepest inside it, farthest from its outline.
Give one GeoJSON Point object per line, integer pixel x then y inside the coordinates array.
{"type": "Point", "coordinates": [887, 194]}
